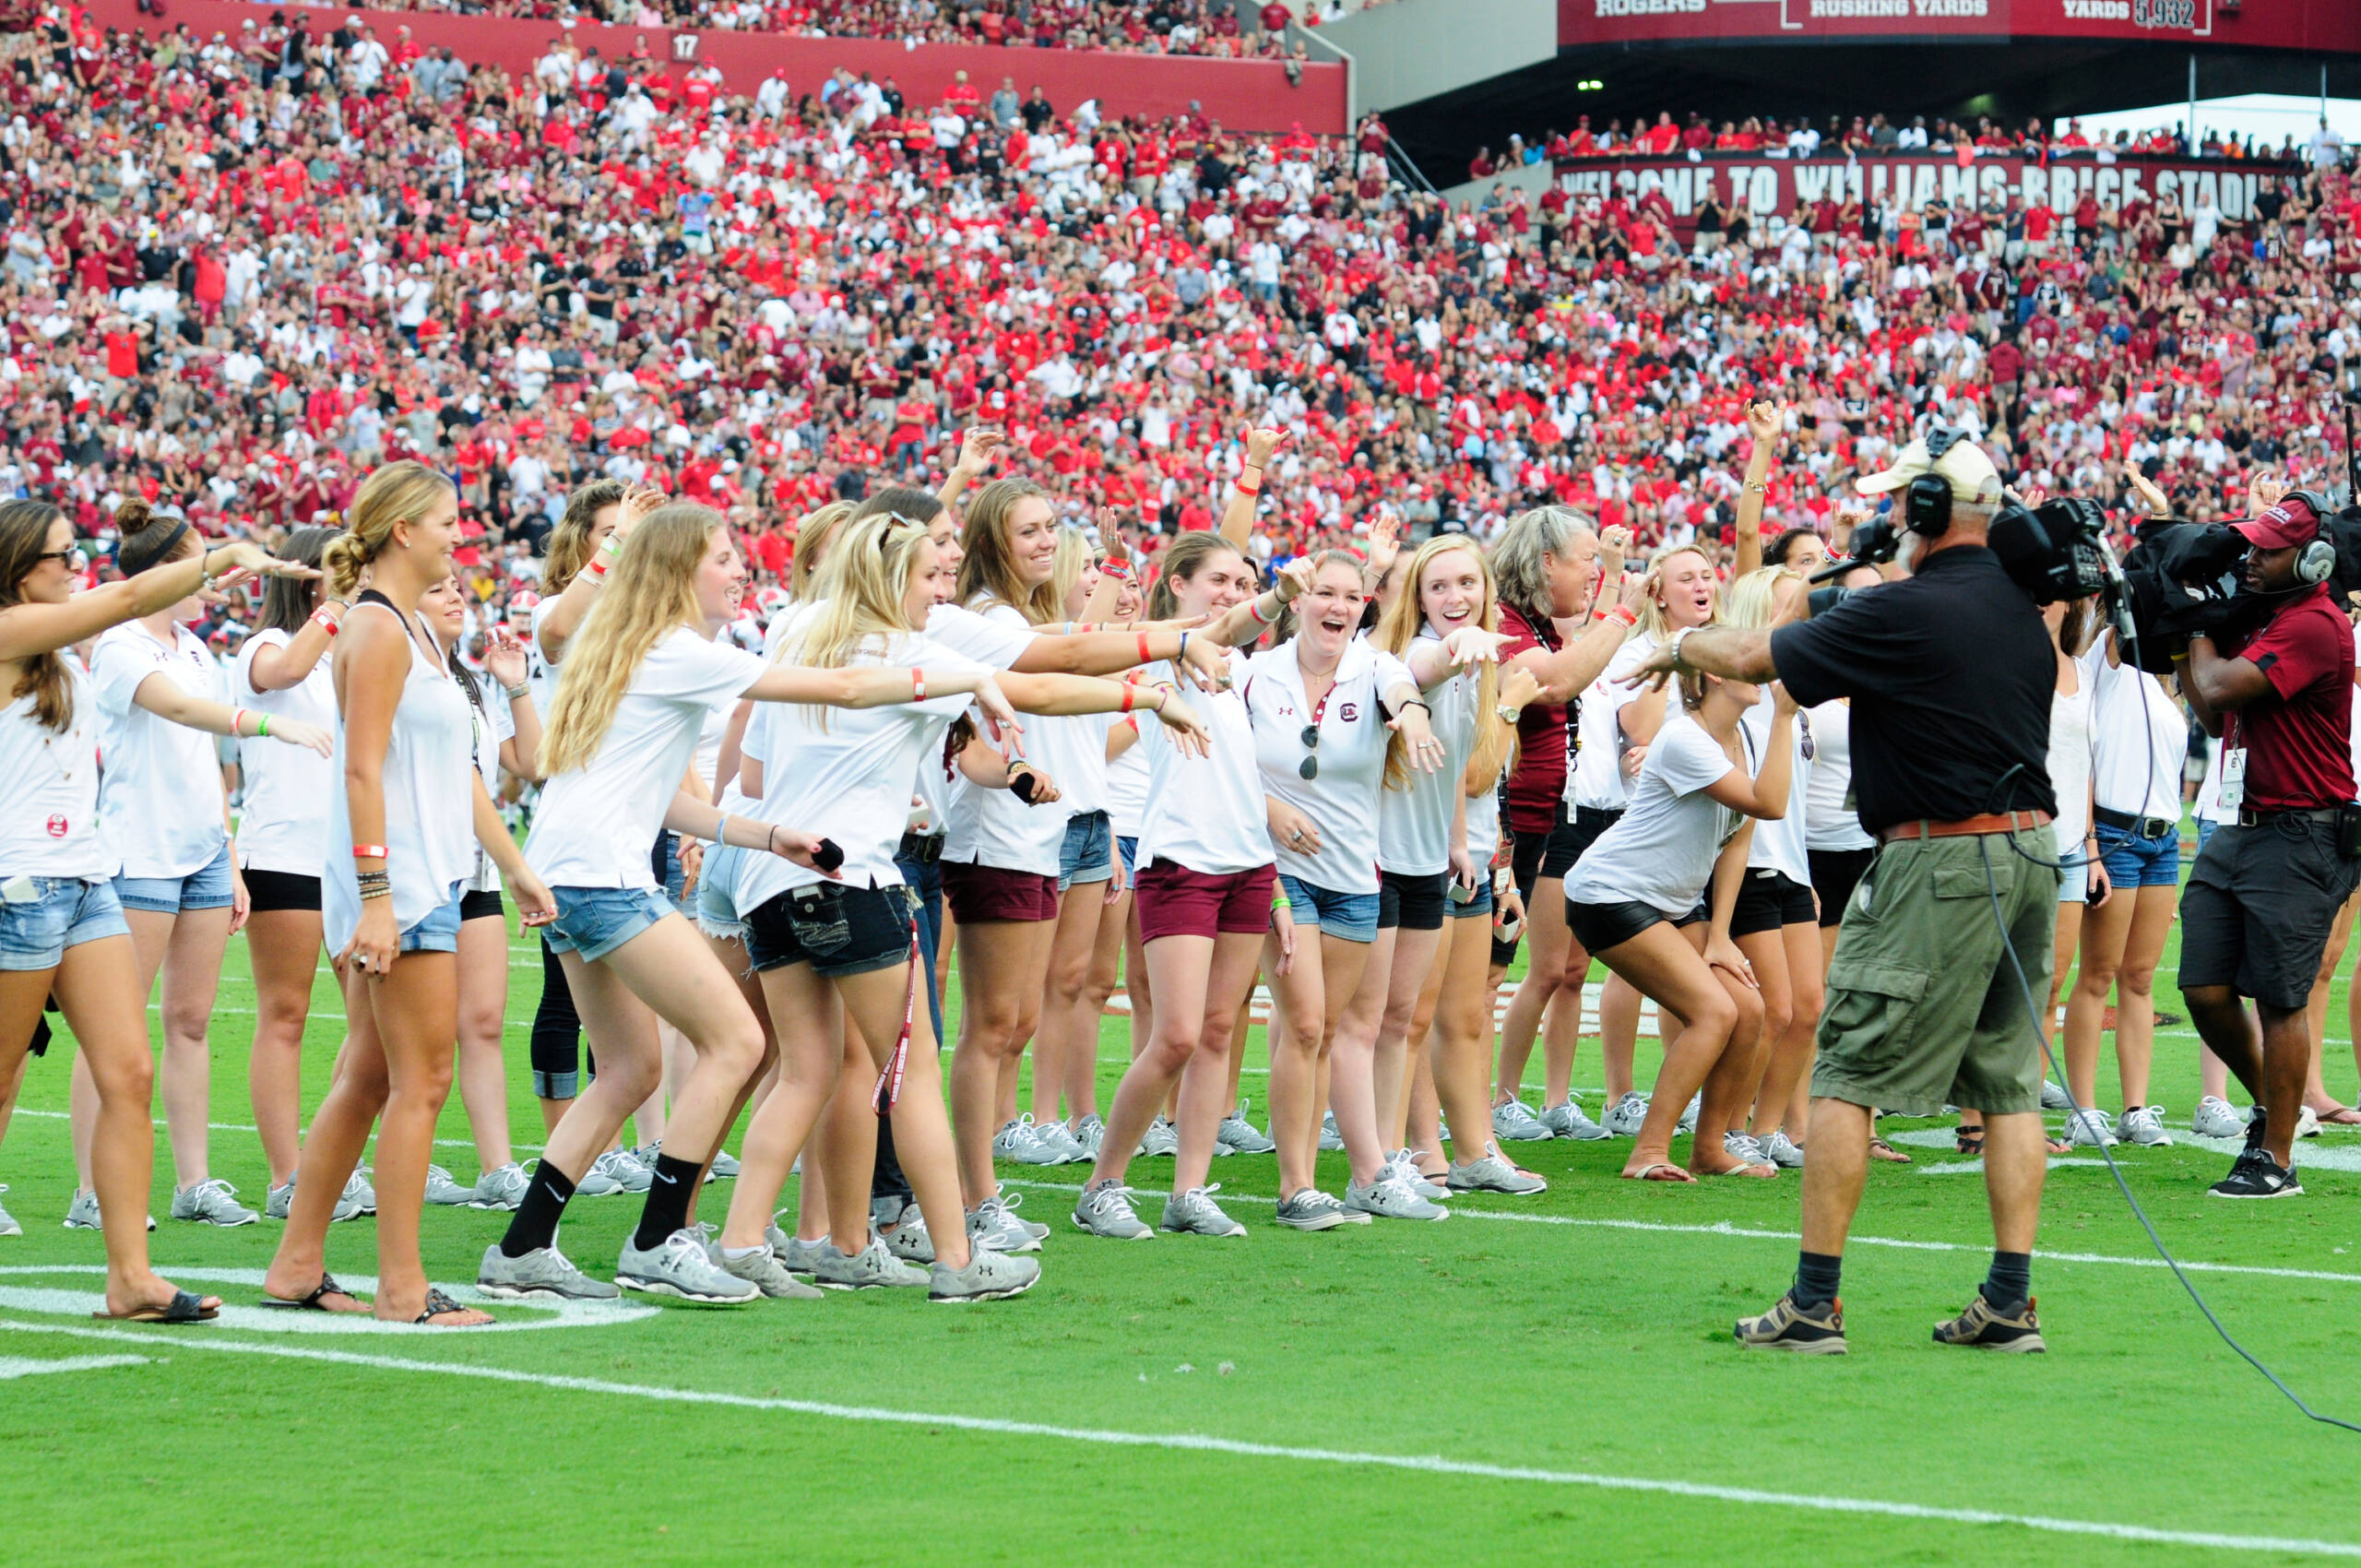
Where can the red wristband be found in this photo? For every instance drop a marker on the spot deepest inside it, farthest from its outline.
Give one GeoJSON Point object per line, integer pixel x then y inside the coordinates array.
{"type": "Point", "coordinates": [326, 620]}
{"type": "Point", "coordinates": [918, 686]}
{"type": "Point", "coordinates": [1619, 612]}
{"type": "Point", "coordinates": [1129, 691]}
{"type": "Point", "coordinates": [1144, 658]}
{"type": "Point", "coordinates": [369, 852]}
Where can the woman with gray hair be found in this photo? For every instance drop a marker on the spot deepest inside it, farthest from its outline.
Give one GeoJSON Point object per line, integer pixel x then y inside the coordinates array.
{"type": "Point", "coordinates": [1550, 564]}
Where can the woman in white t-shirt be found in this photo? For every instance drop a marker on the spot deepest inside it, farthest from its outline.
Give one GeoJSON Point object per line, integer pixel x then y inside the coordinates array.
{"type": "Point", "coordinates": [505, 733]}
{"type": "Point", "coordinates": [402, 839]}
{"type": "Point", "coordinates": [62, 931]}
{"type": "Point", "coordinates": [2139, 740]}
{"type": "Point", "coordinates": [639, 675]}
{"type": "Point", "coordinates": [161, 809]}
{"type": "Point", "coordinates": [1649, 876]}
{"type": "Point", "coordinates": [282, 835]}
{"type": "Point", "coordinates": [1322, 706]}
{"type": "Point", "coordinates": [823, 948]}
{"type": "Point", "coordinates": [1777, 920]}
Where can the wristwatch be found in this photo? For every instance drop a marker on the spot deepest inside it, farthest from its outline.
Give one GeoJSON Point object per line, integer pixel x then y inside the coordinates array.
{"type": "Point", "coordinates": [1507, 713]}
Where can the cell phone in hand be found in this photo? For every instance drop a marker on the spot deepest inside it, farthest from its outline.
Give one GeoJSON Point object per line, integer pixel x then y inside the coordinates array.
{"type": "Point", "coordinates": [827, 855]}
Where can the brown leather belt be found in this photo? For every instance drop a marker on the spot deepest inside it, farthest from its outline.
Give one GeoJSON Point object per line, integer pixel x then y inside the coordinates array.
{"type": "Point", "coordinates": [1996, 822]}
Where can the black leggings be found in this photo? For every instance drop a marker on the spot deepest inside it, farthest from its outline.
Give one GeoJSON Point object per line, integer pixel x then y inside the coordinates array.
{"type": "Point", "coordinates": [557, 1035]}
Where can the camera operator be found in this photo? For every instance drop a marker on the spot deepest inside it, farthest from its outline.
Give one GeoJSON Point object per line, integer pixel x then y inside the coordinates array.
{"type": "Point", "coordinates": [1950, 670]}
{"type": "Point", "coordinates": [2266, 889]}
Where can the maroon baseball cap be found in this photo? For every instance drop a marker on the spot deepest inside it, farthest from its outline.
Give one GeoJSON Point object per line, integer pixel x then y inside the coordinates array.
{"type": "Point", "coordinates": [2290, 522]}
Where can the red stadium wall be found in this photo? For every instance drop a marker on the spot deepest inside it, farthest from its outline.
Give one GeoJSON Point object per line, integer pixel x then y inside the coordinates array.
{"type": "Point", "coordinates": [2323, 25]}
{"type": "Point", "coordinates": [1775, 185]}
{"type": "Point", "coordinates": [1243, 95]}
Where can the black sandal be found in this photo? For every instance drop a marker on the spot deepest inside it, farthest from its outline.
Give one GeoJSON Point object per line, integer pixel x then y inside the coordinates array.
{"type": "Point", "coordinates": [1969, 1141]}
{"type": "Point", "coordinates": [186, 1306]}
{"type": "Point", "coordinates": [437, 1303]}
{"type": "Point", "coordinates": [311, 1303]}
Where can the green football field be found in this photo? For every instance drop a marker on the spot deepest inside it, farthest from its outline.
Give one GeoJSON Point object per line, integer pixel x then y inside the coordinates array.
{"type": "Point", "coordinates": [1533, 1380]}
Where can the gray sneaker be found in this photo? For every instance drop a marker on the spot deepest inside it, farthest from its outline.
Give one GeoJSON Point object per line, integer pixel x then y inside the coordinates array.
{"type": "Point", "coordinates": [1161, 1141]}
{"type": "Point", "coordinates": [212, 1202]}
{"type": "Point", "coordinates": [910, 1239]}
{"type": "Point", "coordinates": [611, 1175]}
{"type": "Point", "coordinates": [1061, 1146]}
{"type": "Point", "coordinates": [2090, 1127]}
{"type": "Point", "coordinates": [1331, 1140]}
{"type": "Point", "coordinates": [1312, 1210]}
{"type": "Point", "coordinates": [1236, 1132]}
{"type": "Point", "coordinates": [1091, 1133]}
{"type": "Point", "coordinates": [2144, 1126]}
{"type": "Point", "coordinates": [989, 1224]}
{"type": "Point", "coordinates": [794, 1253]}
{"type": "Point", "coordinates": [359, 1194]}
{"type": "Point", "coordinates": [8, 1226]}
{"type": "Point", "coordinates": [1568, 1122]}
{"type": "Point", "coordinates": [1389, 1198]}
{"type": "Point", "coordinates": [1688, 1122]}
{"type": "Point", "coordinates": [1741, 1145]}
{"type": "Point", "coordinates": [1626, 1116]}
{"type": "Point", "coordinates": [1782, 1151]}
{"type": "Point", "coordinates": [1105, 1210]}
{"type": "Point", "coordinates": [277, 1200]}
{"type": "Point", "coordinates": [1018, 1141]}
{"type": "Point", "coordinates": [762, 1269]}
{"type": "Point", "coordinates": [2053, 1097]}
{"type": "Point", "coordinates": [988, 1276]}
{"type": "Point", "coordinates": [1405, 1166]}
{"type": "Point", "coordinates": [724, 1166]}
{"type": "Point", "coordinates": [679, 1266]}
{"type": "Point", "coordinates": [502, 1189]}
{"type": "Point", "coordinates": [1493, 1173]}
{"type": "Point", "coordinates": [82, 1214]}
{"type": "Point", "coordinates": [1515, 1123]}
{"type": "Point", "coordinates": [1194, 1213]}
{"type": "Point", "coordinates": [443, 1191]}
{"type": "Point", "coordinates": [867, 1269]}
{"type": "Point", "coordinates": [2217, 1118]}
{"type": "Point", "coordinates": [545, 1272]}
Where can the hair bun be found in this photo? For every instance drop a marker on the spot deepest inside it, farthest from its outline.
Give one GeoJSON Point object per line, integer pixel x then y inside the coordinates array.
{"type": "Point", "coordinates": [133, 517]}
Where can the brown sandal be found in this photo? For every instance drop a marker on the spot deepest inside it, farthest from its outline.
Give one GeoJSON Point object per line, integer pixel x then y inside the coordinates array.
{"type": "Point", "coordinates": [1880, 1150]}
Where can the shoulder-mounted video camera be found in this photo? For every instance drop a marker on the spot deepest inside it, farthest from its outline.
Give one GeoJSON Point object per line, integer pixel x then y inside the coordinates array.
{"type": "Point", "coordinates": [2185, 578]}
{"type": "Point", "coordinates": [2054, 551]}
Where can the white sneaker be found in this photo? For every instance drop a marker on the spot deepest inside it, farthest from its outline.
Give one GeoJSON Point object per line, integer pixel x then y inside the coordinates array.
{"type": "Point", "coordinates": [2307, 1123]}
{"type": "Point", "coordinates": [1403, 1166]}
{"type": "Point", "coordinates": [2217, 1118]}
{"type": "Point", "coordinates": [1062, 1145]}
{"type": "Point", "coordinates": [1514, 1122]}
{"type": "Point", "coordinates": [2089, 1128]}
{"type": "Point", "coordinates": [1389, 1198]}
{"type": "Point", "coordinates": [1626, 1116]}
{"type": "Point", "coordinates": [1782, 1151]}
{"type": "Point", "coordinates": [1017, 1140]}
{"type": "Point", "coordinates": [2144, 1126]}
{"type": "Point", "coordinates": [1688, 1122]}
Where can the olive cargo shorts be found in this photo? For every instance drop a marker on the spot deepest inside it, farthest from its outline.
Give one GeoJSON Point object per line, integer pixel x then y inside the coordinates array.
{"type": "Point", "coordinates": [1924, 1008]}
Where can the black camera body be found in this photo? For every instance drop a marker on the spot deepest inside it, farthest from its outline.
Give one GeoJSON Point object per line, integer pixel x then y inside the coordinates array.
{"type": "Point", "coordinates": [2186, 579]}
{"type": "Point", "coordinates": [2051, 551]}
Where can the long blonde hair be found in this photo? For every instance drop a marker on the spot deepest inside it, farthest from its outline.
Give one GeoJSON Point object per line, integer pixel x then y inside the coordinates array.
{"type": "Point", "coordinates": [399, 492]}
{"type": "Point", "coordinates": [1075, 555]}
{"type": "Point", "coordinates": [864, 582]}
{"type": "Point", "coordinates": [570, 540]}
{"type": "Point", "coordinates": [1400, 622]}
{"type": "Point", "coordinates": [650, 592]}
{"type": "Point", "coordinates": [1752, 599]}
{"type": "Point", "coordinates": [988, 569]}
{"type": "Point", "coordinates": [814, 533]}
{"type": "Point", "coordinates": [1653, 623]}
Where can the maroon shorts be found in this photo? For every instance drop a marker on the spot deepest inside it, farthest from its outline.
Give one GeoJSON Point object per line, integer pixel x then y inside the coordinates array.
{"type": "Point", "coordinates": [1175, 901]}
{"type": "Point", "coordinates": [980, 894]}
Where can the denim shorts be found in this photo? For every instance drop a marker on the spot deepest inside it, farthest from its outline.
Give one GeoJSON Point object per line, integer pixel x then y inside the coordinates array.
{"type": "Point", "coordinates": [1129, 848]}
{"type": "Point", "coordinates": [1089, 852]}
{"type": "Point", "coordinates": [438, 929]}
{"type": "Point", "coordinates": [594, 921]}
{"type": "Point", "coordinates": [1351, 917]}
{"type": "Point", "coordinates": [207, 887]}
{"type": "Point", "coordinates": [1481, 904]}
{"type": "Point", "coordinates": [2134, 862]}
{"type": "Point", "coordinates": [67, 912]}
{"type": "Point", "coordinates": [716, 909]}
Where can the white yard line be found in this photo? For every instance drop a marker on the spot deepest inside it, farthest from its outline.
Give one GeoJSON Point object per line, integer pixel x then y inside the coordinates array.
{"type": "Point", "coordinates": [1426, 1464]}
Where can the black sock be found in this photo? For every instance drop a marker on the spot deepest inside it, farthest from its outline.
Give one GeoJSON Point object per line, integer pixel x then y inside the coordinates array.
{"type": "Point", "coordinates": [535, 1226]}
{"type": "Point", "coordinates": [667, 1200]}
{"type": "Point", "coordinates": [1816, 1278]}
{"type": "Point", "coordinates": [2010, 1281]}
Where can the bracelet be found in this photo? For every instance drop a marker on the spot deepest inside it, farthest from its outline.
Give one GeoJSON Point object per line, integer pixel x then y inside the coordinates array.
{"type": "Point", "coordinates": [1163, 695]}
{"type": "Point", "coordinates": [1144, 657]}
{"type": "Point", "coordinates": [369, 852]}
{"type": "Point", "coordinates": [597, 570]}
{"type": "Point", "coordinates": [611, 546]}
{"type": "Point", "coordinates": [514, 692]}
{"type": "Point", "coordinates": [721, 829]}
{"type": "Point", "coordinates": [1281, 903]}
{"type": "Point", "coordinates": [1418, 701]}
{"type": "Point", "coordinates": [918, 686]}
{"type": "Point", "coordinates": [1131, 694]}
{"type": "Point", "coordinates": [321, 617]}
{"type": "Point", "coordinates": [1182, 657]}
{"type": "Point", "coordinates": [262, 726]}
{"type": "Point", "coordinates": [1619, 612]}
{"type": "Point", "coordinates": [1254, 489]}
{"type": "Point", "coordinates": [1118, 570]}
{"type": "Point", "coordinates": [1757, 487]}
{"type": "Point", "coordinates": [1254, 608]}
{"type": "Point", "coordinates": [237, 723]}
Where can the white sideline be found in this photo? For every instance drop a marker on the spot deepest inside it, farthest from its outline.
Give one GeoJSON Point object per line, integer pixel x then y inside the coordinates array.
{"type": "Point", "coordinates": [1724, 1228]}
{"type": "Point", "coordinates": [1196, 1443]}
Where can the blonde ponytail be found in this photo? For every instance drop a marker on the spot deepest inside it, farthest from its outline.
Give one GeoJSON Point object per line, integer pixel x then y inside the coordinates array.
{"type": "Point", "coordinates": [399, 492]}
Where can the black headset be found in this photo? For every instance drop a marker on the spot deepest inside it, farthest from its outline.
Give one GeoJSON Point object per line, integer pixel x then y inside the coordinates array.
{"type": "Point", "coordinates": [1927, 499]}
{"type": "Point", "coordinates": [2318, 561]}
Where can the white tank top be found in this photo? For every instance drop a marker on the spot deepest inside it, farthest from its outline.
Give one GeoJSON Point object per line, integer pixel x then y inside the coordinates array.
{"type": "Point", "coordinates": [1831, 825]}
{"type": "Point", "coordinates": [49, 789]}
{"type": "Point", "coordinates": [2070, 764]}
{"type": "Point", "coordinates": [430, 800]}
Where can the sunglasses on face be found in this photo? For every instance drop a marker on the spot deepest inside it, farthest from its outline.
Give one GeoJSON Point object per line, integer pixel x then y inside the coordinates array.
{"type": "Point", "coordinates": [72, 560]}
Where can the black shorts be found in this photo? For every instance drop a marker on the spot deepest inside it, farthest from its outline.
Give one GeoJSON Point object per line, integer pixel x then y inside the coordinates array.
{"type": "Point", "coordinates": [1768, 900]}
{"type": "Point", "coordinates": [2258, 908]}
{"type": "Point", "coordinates": [476, 906]}
{"type": "Point", "coordinates": [1601, 926]}
{"type": "Point", "coordinates": [1413, 903]}
{"type": "Point", "coordinates": [1536, 856]}
{"type": "Point", "coordinates": [1834, 874]}
{"type": "Point", "coordinates": [836, 930]}
{"type": "Point", "coordinates": [272, 890]}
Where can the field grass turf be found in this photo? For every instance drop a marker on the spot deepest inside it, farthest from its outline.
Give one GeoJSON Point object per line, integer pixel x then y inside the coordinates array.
{"type": "Point", "coordinates": [1552, 1359]}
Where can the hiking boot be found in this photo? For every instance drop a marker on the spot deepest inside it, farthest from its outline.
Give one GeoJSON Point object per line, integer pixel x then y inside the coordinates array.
{"type": "Point", "coordinates": [1984, 1326]}
{"type": "Point", "coordinates": [1818, 1331]}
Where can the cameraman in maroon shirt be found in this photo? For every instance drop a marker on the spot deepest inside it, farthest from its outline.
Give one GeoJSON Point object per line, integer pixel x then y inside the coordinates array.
{"type": "Point", "coordinates": [2266, 889]}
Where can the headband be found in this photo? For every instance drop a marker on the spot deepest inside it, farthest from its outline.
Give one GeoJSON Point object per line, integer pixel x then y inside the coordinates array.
{"type": "Point", "coordinates": [126, 554]}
